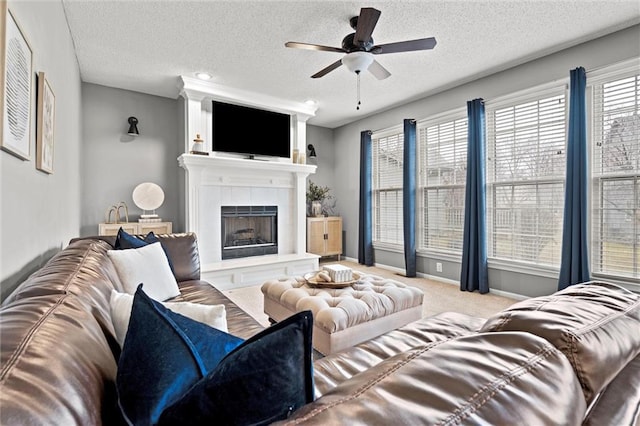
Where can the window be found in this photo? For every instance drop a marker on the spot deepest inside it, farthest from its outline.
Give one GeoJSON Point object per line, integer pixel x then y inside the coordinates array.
{"type": "Point", "coordinates": [615, 235]}
{"type": "Point", "coordinates": [387, 187]}
{"type": "Point", "coordinates": [525, 177]}
{"type": "Point", "coordinates": [442, 168]}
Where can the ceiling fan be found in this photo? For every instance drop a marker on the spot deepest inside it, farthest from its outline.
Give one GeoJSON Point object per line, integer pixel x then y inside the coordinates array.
{"type": "Point", "coordinates": [359, 47]}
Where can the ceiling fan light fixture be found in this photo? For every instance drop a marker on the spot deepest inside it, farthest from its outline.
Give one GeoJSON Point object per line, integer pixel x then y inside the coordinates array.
{"type": "Point", "coordinates": [357, 61]}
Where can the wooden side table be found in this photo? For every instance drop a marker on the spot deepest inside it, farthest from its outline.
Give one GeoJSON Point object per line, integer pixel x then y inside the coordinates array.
{"type": "Point", "coordinates": [324, 236]}
{"type": "Point", "coordinates": [135, 228]}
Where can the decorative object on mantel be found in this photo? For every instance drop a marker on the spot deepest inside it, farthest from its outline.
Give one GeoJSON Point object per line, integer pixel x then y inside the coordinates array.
{"type": "Point", "coordinates": [148, 196]}
{"type": "Point", "coordinates": [115, 209]}
{"type": "Point", "coordinates": [298, 157]}
{"type": "Point", "coordinates": [198, 146]}
{"type": "Point", "coordinates": [45, 125]}
{"type": "Point", "coordinates": [316, 196]}
{"type": "Point", "coordinates": [16, 70]}
{"type": "Point", "coordinates": [133, 126]}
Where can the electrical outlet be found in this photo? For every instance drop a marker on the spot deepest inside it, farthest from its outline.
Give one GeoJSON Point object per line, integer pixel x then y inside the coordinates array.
{"type": "Point", "coordinates": [438, 267]}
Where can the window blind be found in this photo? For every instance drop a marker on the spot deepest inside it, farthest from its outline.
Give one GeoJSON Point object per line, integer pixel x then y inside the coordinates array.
{"type": "Point", "coordinates": [442, 150]}
{"type": "Point", "coordinates": [525, 178]}
{"type": "Point", "coordinates": [387, 188]}
{"type": "Point", "coordinates": [615, 236]}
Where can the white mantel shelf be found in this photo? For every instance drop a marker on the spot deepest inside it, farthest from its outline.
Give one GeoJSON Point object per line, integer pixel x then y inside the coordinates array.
{"type": "Point", "coordinates": [278, 167]}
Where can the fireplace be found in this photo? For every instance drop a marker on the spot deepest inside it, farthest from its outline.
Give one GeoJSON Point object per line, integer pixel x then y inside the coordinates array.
{"type": "Point", "coordinates": [213, 182]}
{"type": "Point", "coordinates": [249, 231]}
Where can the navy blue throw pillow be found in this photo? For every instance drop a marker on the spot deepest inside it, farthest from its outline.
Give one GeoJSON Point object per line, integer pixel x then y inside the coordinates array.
{"type": "Point", "coordinates": [262, 381]}
{"type": "Point", "coordinates": [125, 241]}
{"type": "Point", "coordinates": [163, 355]}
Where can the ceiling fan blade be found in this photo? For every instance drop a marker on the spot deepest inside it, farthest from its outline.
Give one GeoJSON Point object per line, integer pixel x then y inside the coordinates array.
{"type": "Point", "coordinates": [405, 46]}
{"type": "Point", "coordinates": [366, 23]}
{"type": "Point", "coordinates": [328, 69]}
{"type": "Point", "coordinates": [378, 70]}
{"type": "Point", "coordinates": [309, 46]}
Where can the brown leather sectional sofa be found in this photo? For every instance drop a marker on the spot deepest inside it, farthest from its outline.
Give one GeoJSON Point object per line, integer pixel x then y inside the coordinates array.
{"type": "Point", "coordinates": [569, 358]}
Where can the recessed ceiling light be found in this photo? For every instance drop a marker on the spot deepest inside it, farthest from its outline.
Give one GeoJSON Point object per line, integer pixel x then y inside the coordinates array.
{"type": "Point", "coordinates": [311, 102]}
{"type": "Point", "coordinates": [204, 75]}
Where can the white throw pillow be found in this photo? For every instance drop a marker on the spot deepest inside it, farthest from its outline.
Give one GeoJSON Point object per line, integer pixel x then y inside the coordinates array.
{"type": "Point", "coordinates": [147, 265]}
{"type": "Point", "coordinates": [121, 303]}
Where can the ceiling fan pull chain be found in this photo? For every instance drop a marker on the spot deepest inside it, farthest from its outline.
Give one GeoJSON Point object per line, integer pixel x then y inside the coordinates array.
{"type": "Point", "coordinates": [358, 86]}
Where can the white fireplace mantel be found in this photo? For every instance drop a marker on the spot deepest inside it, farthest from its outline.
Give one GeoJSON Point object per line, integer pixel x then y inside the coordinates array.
{"type": "Point", "coordinates": [225, 179]}
{"type": "Point", "coordinates": [211, 182]}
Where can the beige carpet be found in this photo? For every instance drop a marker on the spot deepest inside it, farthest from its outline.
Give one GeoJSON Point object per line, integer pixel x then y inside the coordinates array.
{"type": "Point", "coordinates": [438, 296]}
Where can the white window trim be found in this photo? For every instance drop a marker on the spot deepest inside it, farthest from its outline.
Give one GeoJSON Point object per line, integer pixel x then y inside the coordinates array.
{"type": "Point", "coordinates": [596, 77]}
{"type": "Point", "coordinates": [626, 282]}
{"type": "Point", "coordinates": [438, 254]}
{"type": "Point", "coordinates": [443, 117]}
{"type": "Point", "coordinates": [379, 134]}
{"type": "Point", "coordinates": [523, 96]}
{"type": "Point", "coordinates": [454, 114]}
{"type": "Point", "coordinates": [620, 70]}
{"type": "Point", "coordinates": [526, 95]}
{"type": "Point", "coordinates": [523, 268]}
{"type": "Point", "coordinates": [396, 248]}
{"type": "Point", "coordinates": [385, 133]}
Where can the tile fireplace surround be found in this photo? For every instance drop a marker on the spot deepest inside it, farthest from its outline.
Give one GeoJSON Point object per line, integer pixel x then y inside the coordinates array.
{"type": "Point", "coordinates": [212, 182]}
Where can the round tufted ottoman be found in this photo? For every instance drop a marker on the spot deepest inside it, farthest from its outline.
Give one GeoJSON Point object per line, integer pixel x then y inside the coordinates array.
{"type": "Point", "coordinates": [345, 317]}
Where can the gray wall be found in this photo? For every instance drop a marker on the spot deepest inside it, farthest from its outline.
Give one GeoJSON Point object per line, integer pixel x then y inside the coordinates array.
{"type": "Point", "coordinates": [39, 213]}
{"type": "Point", "coordinates": [600, 52]}
{"type": "Point", "coordinates": [322, 140]}
{"type": "Point", "coordinates": [114, 163]}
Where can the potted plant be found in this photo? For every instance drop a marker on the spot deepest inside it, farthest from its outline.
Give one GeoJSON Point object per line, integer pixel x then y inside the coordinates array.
{"type": "Point", "coordinates": [316, 195]}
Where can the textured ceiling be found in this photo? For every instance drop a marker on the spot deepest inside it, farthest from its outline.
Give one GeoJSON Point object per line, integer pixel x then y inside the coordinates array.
{"type": "Point", "coordinates": [145, 45]}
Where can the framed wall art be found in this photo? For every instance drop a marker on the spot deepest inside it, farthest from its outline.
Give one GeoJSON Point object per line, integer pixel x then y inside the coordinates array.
{"type": "Point", "coordinates": [45, 125]}
{"type": "Point", "coordinates": [16, 76]}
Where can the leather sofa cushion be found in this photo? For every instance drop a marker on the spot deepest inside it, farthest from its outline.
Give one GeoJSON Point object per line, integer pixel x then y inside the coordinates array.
{"type": "Point", "coordinates": [55, 359]}
{"type": "Point", "coordinates": [338, 367]}
{"type": "Point", "coordinates": [596, 325]}
{"type": "Point", "coordinates": [83, 270]}
{"type": "Point", "coordinates": [506, 378]}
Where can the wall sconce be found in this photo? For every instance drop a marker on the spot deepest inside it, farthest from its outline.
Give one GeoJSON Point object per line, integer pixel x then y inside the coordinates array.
{"type": "Point", "coordinates": [133, 127]}
{"type": "Point", "coordinates": [312, 151]}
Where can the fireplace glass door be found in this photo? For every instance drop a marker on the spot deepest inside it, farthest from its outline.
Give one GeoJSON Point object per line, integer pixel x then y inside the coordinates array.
{"type": "Point", "coordinates": [249, 231]}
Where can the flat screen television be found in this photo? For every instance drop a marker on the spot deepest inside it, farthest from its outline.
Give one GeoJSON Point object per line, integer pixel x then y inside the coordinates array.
{"type": "Point", "coordinates": [245, 130]}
